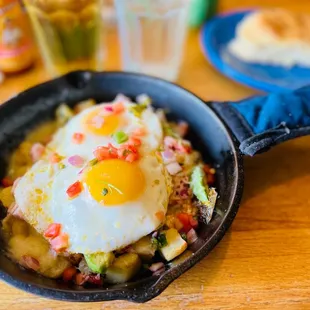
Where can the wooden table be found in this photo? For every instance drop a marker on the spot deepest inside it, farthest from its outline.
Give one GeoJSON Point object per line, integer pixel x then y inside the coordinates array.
{"type": "Point", "coordinates": [263, 262]}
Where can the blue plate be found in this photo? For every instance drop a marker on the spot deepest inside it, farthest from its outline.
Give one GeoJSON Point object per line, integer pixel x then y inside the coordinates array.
{"type": "Point", "coordinates": [214, 38]}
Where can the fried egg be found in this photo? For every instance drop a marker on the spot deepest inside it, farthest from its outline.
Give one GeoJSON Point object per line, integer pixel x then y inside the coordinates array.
{"type": "Point", "coordinates": [120, 202]}
{"type": "Point", "coordinates": [98, 125]}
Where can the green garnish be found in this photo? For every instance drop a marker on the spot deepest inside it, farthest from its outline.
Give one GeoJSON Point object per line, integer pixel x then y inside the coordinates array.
{"type": "Point", "coordinates": [156, 182]}
{"type": "Point", "coordinates": [105, 191]}
{"type": "Point", "coordinates": [168, 131]}
{"type": "Point", "coordinates": [61, 166]}
{"type": "Point", "coordinates": [184, 237]}
{"type": "Point", "coordinates": [93, 162]}
{"type": "Point", "coordinates": [160, 241]}
{"type": "Point", "coordinates": [139, 108]}
{"type": "Point", "coordinates": [120, 137]}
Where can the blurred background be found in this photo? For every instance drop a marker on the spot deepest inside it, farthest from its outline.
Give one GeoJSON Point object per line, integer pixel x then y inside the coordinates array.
{"type": "Point", "coordinates": [42, 39]}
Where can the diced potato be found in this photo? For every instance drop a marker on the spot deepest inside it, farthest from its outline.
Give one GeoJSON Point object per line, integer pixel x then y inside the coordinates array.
{"type": "Point", "coordinates": [144, 248]}
{"type": "Point", "coordinates": [20, 227]}
{"type": "Point", "coordinates": [175, 244]}
{"type": "Point", "coordinates": [42, 133]}
{"type": "Point", "coordinates": [23, 240]}
{"type": "Point", "coordinates": [123, 268]}
{"type": "Point", "coordinates": [84, 105]}
{"type": "Point", "coordinates": [63, 114]}
{"type": "Point", "coordinates": [6, 196]}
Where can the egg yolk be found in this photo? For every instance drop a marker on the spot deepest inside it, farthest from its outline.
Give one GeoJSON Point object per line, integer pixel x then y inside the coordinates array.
{"type": "Point", "coordinates": [114, 181]}
{"type": "Point", "coordinates": [101, 124]}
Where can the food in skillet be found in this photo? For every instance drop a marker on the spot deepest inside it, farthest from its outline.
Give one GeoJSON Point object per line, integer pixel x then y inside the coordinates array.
{"type": "Point", "coordinates": [105, 192]}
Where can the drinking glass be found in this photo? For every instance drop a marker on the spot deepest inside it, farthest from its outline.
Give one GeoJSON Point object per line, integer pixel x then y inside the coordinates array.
{"type": "Point", "coordinates": [152, 35]}
{"type": "Point", "coordinates": [68, 32]}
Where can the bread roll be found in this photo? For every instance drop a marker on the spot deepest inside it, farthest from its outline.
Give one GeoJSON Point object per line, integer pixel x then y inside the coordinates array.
{"type": "Point", "coordinates": [275, 37]}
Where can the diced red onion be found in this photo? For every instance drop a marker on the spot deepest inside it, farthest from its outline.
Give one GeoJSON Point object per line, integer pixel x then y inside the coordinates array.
{"type": "Point", "coordinates": [95, 279]}
{"type": "Point", "coordinates": [76, 161]}
{"type": "Point", "coordinates": [157, 266]}
{"type": "Point", "coordinates": [182, 128]}
{"type": "Point", "coordinates": [155, 234]}
{"type": "Point", "coordinates": [174, 168]}
{"type": "Point", "coordinates": [37, 151]}
{"type": "Point", "coordinates": [168, 156]}
{"type": "Point", "coordinates": [108, 108]}
{"type": "Point", "coordinates": [15, 210]}
{"type": "Point", "coordinates": [30, 262]}
{"type": "Point", "coordinates": [159, 271]}
{"type": "Point", "coordinates": [191, 236]}
{"type": "Point", "coordinates": [170, 142]}
{"type": "Point", "coordinates": [184, 193]}
{"type": "Point", "coordinates": [15, 184]}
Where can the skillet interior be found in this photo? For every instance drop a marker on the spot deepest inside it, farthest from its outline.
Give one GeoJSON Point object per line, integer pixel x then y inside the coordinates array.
{"type": "Point", "coordinates": [207, 134]}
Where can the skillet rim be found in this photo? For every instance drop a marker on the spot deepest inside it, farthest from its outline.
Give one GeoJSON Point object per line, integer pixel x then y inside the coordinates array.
{"type": "Point", "coordinates": [160, 283]}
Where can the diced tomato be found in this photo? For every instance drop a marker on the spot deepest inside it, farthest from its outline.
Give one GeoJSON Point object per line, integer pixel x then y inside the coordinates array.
{"type": "Point", "coordinates": [52, 230]}
{"type": "Point", "coordinates": [112, 151]}
{"type": "Point", "coordinates": [81, 278]}
{"type": "Point", "coordinates": [95, 279]}
{"type": "Point", "coordinates": [69, 273]}
{"type": "Point", "coordinates": [210, 178]}
{"type": "Point", "coordinates": [55, 158]}
{"type": "Point", "coordinates": [74, 189]}
{"type": "Point", "coordinates": [132, 157]}
{"type": "Point", "coordinates": [184, 219]}
{"type": "Point", "coordinates": [6, 182]}
{"type": "Point", "coordinates": [188, 222]}
{"type": "Point", "coordinates": [118, 107]}
{"type": "Point", "coordinates": [60, 243]}
{"type": "Point", "coordinates": [193, 222]}
{"type": "Point", "coordinates": [105, 152]}
{"type": "Point", "coordinates": [134, 142]}
{"type": "Point", "coordinates": [206, 168]}
{"type": "Point", "coordinates": [101, 153]}
{"type": "Point", "coordinates": [78, 138]}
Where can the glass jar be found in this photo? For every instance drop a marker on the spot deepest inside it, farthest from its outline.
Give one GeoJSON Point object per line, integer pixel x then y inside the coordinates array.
{"type": "Point", "coordinates": [17, 50]}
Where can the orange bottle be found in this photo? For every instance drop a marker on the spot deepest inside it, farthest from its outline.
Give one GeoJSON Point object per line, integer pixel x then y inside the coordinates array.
{"type": "Point", "coordinates": [17, 50]}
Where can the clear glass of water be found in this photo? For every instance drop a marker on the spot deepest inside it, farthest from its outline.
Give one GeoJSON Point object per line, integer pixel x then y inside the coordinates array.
{"type": "Point", "coordinates": [152, 35]}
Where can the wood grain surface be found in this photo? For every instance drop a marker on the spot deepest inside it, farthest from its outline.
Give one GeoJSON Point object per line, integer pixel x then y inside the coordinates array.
{"type": "Point", "coordinates": [264, 260]}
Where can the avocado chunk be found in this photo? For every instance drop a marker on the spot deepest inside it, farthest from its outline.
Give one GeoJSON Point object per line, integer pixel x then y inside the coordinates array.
{"type": "Point", "coordinates": [205, 195]}
{"type": "Point", "coordinates": [99, 262]}
{"type": "Point", "coordinates": [198, 184]}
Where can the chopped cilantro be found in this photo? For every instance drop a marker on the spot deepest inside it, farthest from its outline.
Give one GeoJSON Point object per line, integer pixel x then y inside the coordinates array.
{"type": "Point", "coordinates": [61, 166]}
{"type": "Point", "coordinates": [105, 191]}
{"type": "Point", "coordinates": [93, 162]}
{"type": "Point", "coordinates": [184, 237]}
{"type": "Point", "coordinates": [160, 241]}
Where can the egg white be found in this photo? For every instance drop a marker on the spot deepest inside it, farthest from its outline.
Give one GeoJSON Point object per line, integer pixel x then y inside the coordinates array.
{"type": "Point", "coordinates": [92, 227]}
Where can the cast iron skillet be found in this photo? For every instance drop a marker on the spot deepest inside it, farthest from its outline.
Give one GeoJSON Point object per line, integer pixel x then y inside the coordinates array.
{"type": "Point", "coordinates": [209, 134]}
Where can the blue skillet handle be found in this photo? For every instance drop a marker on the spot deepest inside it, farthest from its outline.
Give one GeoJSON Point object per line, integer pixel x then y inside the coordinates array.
{"type": "Point", "coordinates": [264, 121]}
